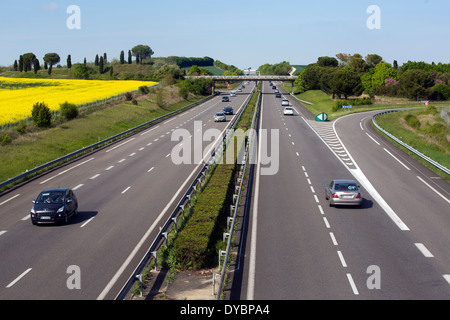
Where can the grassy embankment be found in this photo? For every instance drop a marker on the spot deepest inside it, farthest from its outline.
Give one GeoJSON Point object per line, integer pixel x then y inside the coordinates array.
{"type": "Point", "coordinates": [92, 125]}
{"type": "Point", "coordinates": [425, 131]}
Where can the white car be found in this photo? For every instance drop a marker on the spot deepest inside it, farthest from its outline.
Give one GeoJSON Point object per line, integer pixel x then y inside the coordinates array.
{"type": "Point", "coordinates": [285, 102]}
{"type": "Point", "coordinates": [288, 111]}
{"type": "Point", "coordinates": [233, 94]}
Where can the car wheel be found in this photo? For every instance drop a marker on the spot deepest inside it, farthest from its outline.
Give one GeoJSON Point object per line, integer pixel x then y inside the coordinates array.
{"type": "Point", "coordinates": [66, 218]}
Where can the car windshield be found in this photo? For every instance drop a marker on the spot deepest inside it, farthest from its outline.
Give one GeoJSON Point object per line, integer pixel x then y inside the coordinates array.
{"type": "Point", "coordinates": [51, 197]}
{"type": "Point", "coordinates": [346, 187]}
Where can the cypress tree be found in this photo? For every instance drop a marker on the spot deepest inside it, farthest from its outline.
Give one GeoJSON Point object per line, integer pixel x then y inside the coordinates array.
{"type": "Point", "coordinates": [122, 57]}
{"type": "Point", "coordinates": [130, 59]}
{"type": "Point", "coordinates": [69, 61]}
{"type": "Point", "coordinates": [100, 67]}
{"type": "Point", "coordinates": [21, 63]}
{"type": "Point", "coordinates": [37, 66]}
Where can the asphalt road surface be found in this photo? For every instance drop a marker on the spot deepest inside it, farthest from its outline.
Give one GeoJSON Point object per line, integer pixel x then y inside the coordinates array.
{"type": "Point", "coordinates": [126, 192]}
{"type": "Point", "coordinates": [397, 246]}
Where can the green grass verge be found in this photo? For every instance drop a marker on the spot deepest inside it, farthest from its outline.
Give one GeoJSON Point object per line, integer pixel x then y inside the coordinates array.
{"type": "Point", "coordinates": [39, 147]}
{"type": "Point", "coordinates": [431, 139]}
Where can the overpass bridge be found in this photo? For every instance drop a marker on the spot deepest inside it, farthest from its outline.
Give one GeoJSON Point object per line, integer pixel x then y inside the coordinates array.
{"type": "Point", "coordinates": [247, 78]}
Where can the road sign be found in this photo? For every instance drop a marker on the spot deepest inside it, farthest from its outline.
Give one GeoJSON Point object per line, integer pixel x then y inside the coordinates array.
{"type": "Point", "coordinates": [322, 117]}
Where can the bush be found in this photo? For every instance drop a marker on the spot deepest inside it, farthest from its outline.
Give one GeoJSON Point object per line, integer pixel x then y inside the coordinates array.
{"type": "Point", "coordinates": [144, 90]}
{"type": "Point", "coordinates": [128, 96]}
{"type": "Point", "coordinates": [22, 127]}
{"type": "Point", "coordinates": [41, 114]}
{"type": "Point", "coordinates": [69, 110]}
{"type": "Point", "coordinates": [412, 121]}
{"type": "Point", "coordinates": [5, 139]}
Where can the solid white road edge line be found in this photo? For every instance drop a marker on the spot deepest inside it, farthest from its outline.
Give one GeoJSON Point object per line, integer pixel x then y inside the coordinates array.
{"type": "Point", "coordinates": [252, 263]}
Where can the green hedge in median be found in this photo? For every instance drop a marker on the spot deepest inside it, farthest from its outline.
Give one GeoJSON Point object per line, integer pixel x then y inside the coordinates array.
{"type": "Point", "coordinates": [194, 247]}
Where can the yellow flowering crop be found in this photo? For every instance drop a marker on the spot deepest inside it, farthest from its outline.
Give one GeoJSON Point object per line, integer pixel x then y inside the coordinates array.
{"type": "Point", "coordinates": [17, 96]}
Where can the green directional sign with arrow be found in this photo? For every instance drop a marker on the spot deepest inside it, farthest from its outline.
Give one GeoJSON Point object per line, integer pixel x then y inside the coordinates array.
{"type": "Point", "coordinates": [322, 117]}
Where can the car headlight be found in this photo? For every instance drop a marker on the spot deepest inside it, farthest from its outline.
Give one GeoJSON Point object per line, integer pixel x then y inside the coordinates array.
{"type": "Point", "coordinates": [32, 210]}
{"type": "Point", "coordinates": [60, 210]}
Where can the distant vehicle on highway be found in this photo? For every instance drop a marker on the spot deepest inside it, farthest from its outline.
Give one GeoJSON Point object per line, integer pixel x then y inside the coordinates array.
{"type": "Point", "coordinates": [220, 117]}
{"type": "Point", "coordinates": [274, 87]}
{"type": "Point", "coordinates": [278, 95]}
{"type": "Point", "coordinates": [225, 99]}
{"type": "Point", "coordinates": [233, 94]}
{"type": "Point", "coordinates": [54, 206]}
{"type": "Point", "coordinates": [343, 192]}
{"type": "Point", "coordinates": [285, 102]}
{"type": "Point", "coordinates": [288, 111]}
{"type": "Point", "coordinates": [228, 110]}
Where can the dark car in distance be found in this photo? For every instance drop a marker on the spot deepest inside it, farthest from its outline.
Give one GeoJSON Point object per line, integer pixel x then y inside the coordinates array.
{"type": "Point", "coordinates": [228, 110]}
{"type": "Point", "coordinates": [54, 206]}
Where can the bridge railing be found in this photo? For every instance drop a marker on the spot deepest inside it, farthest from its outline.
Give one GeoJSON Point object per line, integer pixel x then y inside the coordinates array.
{"type": "Point", "coordinates": [245, 78]}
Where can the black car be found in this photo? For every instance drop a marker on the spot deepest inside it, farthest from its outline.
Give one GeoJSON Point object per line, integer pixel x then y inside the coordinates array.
{"type": "Point", "coordinates": [54, 206]}
{"type": "Point", "coordinates": [225, 99]}
{"type": "Point", "coordinates": [228, 110]}
{"type": "Point", "coordinates": [278, 95]}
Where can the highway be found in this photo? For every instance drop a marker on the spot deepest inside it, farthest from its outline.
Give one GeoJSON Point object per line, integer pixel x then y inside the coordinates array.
{"type": "Point", "coordinates": [126, 192]}
{"type": "Point", "coordinates": [297, 247]}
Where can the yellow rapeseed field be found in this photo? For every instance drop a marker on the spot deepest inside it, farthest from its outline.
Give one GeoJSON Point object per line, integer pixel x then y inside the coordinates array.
{"type": "Point", "coordinates": [18, 95]}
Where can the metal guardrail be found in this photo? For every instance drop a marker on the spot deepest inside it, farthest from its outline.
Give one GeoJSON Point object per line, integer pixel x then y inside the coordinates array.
{"type": "Point", "coordinates": [421, 155]}
{"type": "Point", "coordinates": [238, 197]}
{"type": "Point", "coordinates": [97, 145]}
{"type": "Point", "coordinates": [245, 78]}
{"type": "Point", "coordinates": [179, 209]}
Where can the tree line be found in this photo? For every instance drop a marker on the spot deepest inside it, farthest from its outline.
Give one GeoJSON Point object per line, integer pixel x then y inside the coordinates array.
{"type": "Point", "coordinates": [352, 75]}
{"type": "Point", "coordinates": [29, 62]}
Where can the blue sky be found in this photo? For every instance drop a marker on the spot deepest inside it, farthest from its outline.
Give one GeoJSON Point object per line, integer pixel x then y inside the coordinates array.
{"type": "Point", "coordinates": [245, 33]}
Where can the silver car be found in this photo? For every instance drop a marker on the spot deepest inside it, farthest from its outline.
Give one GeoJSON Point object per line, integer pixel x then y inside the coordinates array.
{"type": "Point", "coordinates": [343, 192]}
{"type": "Point", "coordinates": [219, 117]}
